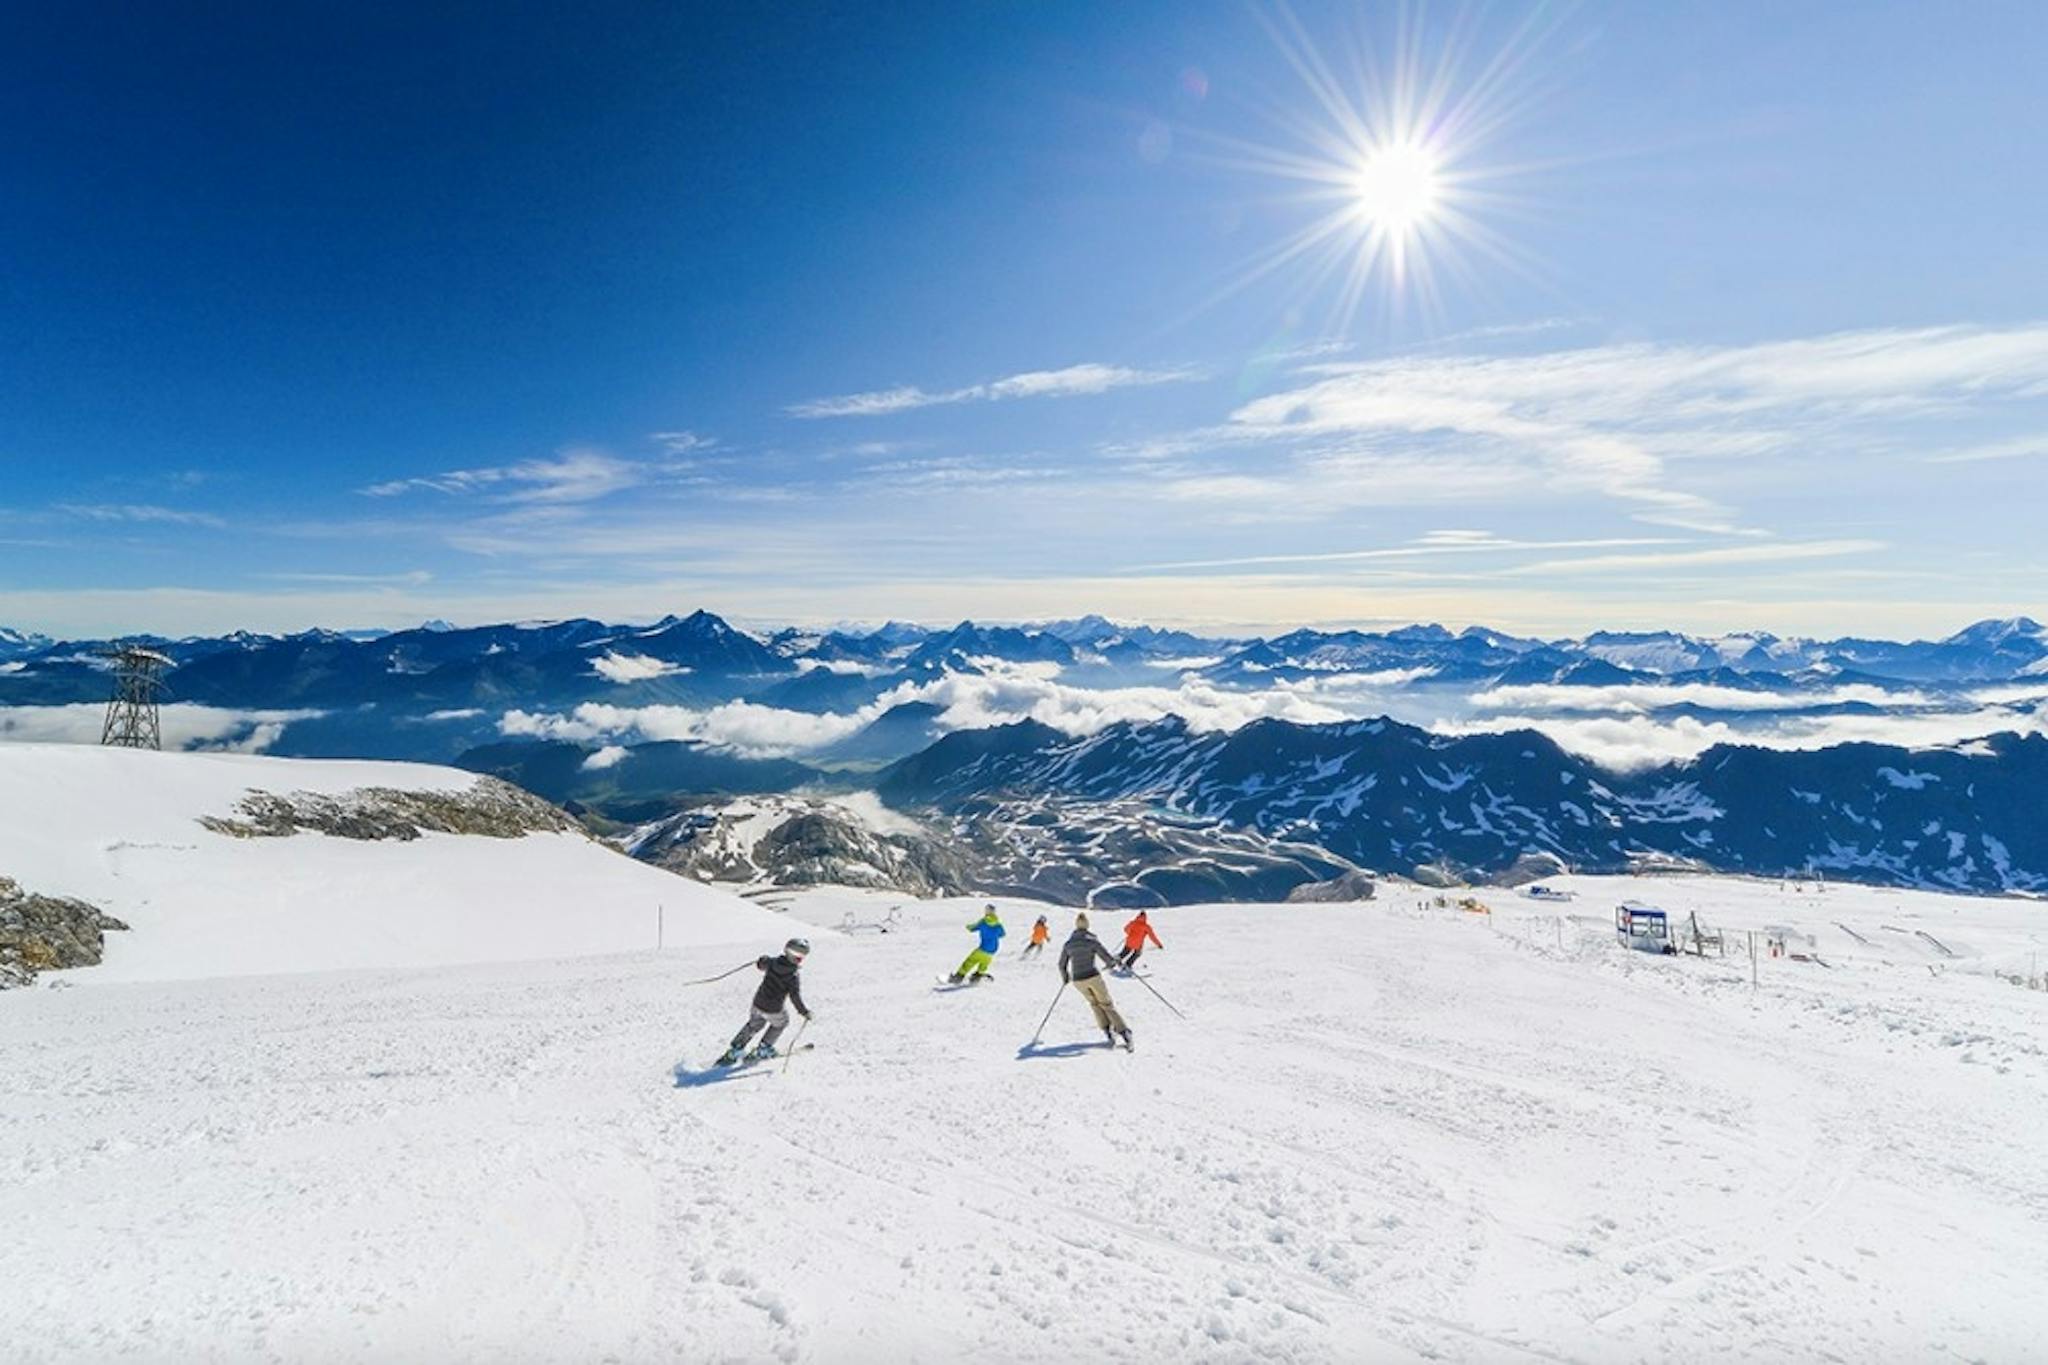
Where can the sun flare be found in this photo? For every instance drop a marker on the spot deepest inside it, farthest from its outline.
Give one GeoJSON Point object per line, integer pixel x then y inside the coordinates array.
{"type": "Point", "coordinates": [1397, 189]}
{"type": "Point", "coordinates": [1386, 154]}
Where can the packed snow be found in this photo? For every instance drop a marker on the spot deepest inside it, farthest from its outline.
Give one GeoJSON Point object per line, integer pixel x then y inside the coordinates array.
{"type": "Point", "coordinates": [1391, 1130]}
{"type": "Point", "coordinates": [120, 828]}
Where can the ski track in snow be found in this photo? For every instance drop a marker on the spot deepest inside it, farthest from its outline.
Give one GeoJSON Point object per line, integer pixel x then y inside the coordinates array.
{"type": "Point", "coordinates": [1387, 1131]}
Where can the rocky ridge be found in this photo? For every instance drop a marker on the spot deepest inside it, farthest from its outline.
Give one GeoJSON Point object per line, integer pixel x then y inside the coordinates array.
{"type": "Point", "coordinates": [47, 933]}
{"type": "Point", "coordinates": [492, 808]}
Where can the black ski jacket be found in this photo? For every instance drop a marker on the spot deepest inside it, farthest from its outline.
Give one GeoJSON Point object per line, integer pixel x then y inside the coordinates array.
{"type": "Point", "coordinates": [780, 983]}
{"type": "Point", "coordinates": [1079, 958]}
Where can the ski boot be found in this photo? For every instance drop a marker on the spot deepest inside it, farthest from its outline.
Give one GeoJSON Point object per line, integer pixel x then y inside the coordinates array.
{"type": "Point", "coordinates": [762, 1053]}
{"type": "Point", "coordinates": [1127, 1040]}
{"type": "Point", "coordinates": [979, 977]}
{"type": "Point", "coordinates": [955, 979]}
{"type": "Point", "coordinates": [728, 1057]}
{"type": "Point", "coordinates": [1109, 1037]}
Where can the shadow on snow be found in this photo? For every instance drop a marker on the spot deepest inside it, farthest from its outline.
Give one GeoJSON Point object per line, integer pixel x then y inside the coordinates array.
{"type": "Point", "coordinates": [687, 1079]}
{"type": "Point", "coordinates": [1034, 1050]}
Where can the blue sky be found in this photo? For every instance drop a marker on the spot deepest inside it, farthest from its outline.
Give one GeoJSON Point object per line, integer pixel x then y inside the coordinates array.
{"type": "Point", "coordinates": [357, 315]}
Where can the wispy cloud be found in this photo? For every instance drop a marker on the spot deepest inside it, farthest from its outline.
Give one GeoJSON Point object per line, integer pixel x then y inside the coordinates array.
{"type": "Point", "coordinates": [1618, 421]}
{"type": "Point", "coordinates": [185, 725]}
{"type": "Point", "coordinates": [416, 578]}
{"type": "Point", "coordinates": [1072, 381]}
{"type": "Point", "coordinates": [683, 442]}
{"type": "Point", "coordinates": [1761, 553]}
{"type": "Point", "coordinates": [1431, 543]}
{"type": "Point", "coordinates": [950, 471]}
{"type": "Point", "coordinates": [2020, 447]}
{"type": "Point", "coordinates": [140, 513]}
{"type": "Point", "coordinates": [573, 476]}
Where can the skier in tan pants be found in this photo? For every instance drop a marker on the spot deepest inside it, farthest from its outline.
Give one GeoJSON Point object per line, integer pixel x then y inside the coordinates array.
{"type": "Point", "coordinates": [1081, 964]}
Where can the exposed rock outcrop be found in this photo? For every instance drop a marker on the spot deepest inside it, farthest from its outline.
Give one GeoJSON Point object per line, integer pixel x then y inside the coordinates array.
{"type": "Point", "coordinates": [1530, 867]}
{"type": "Point", "coordinates": [492, 808]}
{"type": "Point", "coordinates": [798, 841]}
{"type": "Point", "coordinates": [1352, 886]}
{"type": "Point", "coordinates": [47, 933]}
{"type": "Point", "coordinates": [1121, 855]}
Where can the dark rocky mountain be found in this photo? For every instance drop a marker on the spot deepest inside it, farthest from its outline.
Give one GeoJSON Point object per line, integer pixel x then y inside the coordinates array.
{"type": "Point", "coordinates": [798, 841]}
{"type": "Point", "coordinates": [898, 732]}
{"type": "Point", "coordinates": [1113, 639]}
{"type": "Point", "coordinates": [1394, 798]}
{"type": "Point", "coordinates": [1112, 854]}
{"type": "Point", "coordinates": [15, 644]}
{"type": "Point", "coordinates": [968, 640]}
{"type": "Point", "coordinates": [703, 643]}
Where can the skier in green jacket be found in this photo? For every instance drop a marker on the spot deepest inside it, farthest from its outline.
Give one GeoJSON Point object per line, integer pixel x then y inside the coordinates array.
{"type": "Point", "coordinates": [977, 962]}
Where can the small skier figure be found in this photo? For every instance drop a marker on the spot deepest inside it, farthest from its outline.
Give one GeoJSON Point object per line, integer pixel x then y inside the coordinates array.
{"type": "Point", "coordinates": [1040, 932]}
{"type": "Point", "coordinates": [977, 962]}
{"type": "Point", "coordinates": [779, 984]}
{"type": "Point", "coordinates": [1135, 934]}
{"type": "Point", "coordinates": [1081, 963]}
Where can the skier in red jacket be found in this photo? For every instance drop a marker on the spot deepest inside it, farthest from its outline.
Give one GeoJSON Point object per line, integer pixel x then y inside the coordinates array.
{"type": "Point", "coordinates": [1135, 934]}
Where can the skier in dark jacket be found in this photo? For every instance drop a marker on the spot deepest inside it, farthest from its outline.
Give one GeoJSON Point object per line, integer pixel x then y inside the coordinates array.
{"type": "Point", "coordinates": [780, 983]}
{"type": "Point", "coordinates": [1081, 964]}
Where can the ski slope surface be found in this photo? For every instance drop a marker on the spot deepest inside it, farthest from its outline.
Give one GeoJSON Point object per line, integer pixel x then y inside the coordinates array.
{"type": "Point", "coordinates": [121, 828]}
{"type": "Point", "coordinates": [1386, 1131]}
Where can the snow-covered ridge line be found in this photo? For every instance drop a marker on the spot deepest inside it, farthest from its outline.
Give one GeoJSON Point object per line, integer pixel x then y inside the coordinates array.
{"type": "Point", "coordinates": [359, 864]}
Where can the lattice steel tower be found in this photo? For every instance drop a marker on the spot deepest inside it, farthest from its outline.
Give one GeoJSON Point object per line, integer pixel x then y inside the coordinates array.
{"type": "Point", "coordinates": [132, 721]}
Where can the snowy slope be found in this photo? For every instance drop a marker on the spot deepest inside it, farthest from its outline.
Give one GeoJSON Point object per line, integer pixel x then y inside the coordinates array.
{"type": "Point", "coordinates": [1386, 1131]}
{"type": "Point", "coordinates": [120, 828]}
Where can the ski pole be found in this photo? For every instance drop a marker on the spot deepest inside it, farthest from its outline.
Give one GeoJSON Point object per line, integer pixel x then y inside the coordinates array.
{"type": "Point", "coordinates": [1155, 990]}
{"type": "Point", "coordinates": [793, 1042]}
{"type": "Point", "coordinates": [1048, 1014]}
{"type": "Point", "coordinates": [721, 976]}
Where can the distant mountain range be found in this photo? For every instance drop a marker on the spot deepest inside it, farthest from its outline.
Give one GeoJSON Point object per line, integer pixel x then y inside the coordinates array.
{"type": "Point", "coordinates": [700, 659]}
{"type": "Point", "coordinates": [1239, 810]}
{"type": "Point", "coordinates": [1398, 799]}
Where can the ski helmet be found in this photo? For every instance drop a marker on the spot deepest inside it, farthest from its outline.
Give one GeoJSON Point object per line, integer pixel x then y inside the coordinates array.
{"type": "Point", "coordinates": [797, 947]}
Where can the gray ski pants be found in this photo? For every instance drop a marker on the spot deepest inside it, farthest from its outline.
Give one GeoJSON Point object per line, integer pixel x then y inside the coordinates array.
{"type": "Point", "coordinates": [776, 1023]}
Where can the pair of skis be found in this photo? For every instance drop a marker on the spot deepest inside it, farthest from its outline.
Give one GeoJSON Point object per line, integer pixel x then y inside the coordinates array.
{"type": "Point", "coordinates": [747, 1059]}
{"type": "Point", "coordinates": [949, 983]}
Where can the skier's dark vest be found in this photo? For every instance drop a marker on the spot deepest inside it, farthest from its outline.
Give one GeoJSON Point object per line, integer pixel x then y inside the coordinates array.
{"type": "Point", "coordinates": [778, 984]}
{"type": "Point", "coordinates": [1082, 951]}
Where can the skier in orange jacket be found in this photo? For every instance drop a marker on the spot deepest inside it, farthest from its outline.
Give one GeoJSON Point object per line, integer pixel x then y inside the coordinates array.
{"type": "Point", "coordinates": [1039, 934]}
{"type": "Point", "coordinates": [1135, 934]}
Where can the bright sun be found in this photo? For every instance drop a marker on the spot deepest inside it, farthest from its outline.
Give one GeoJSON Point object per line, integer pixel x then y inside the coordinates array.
{"type": "Point", "coordinates": [1387, 154]}
{"type": "Point", "coordinates": [1397, 189]}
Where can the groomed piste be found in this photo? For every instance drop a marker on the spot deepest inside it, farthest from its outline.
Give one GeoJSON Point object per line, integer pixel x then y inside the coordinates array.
{"type": "Point", "coordinates": [1388, 1130]}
